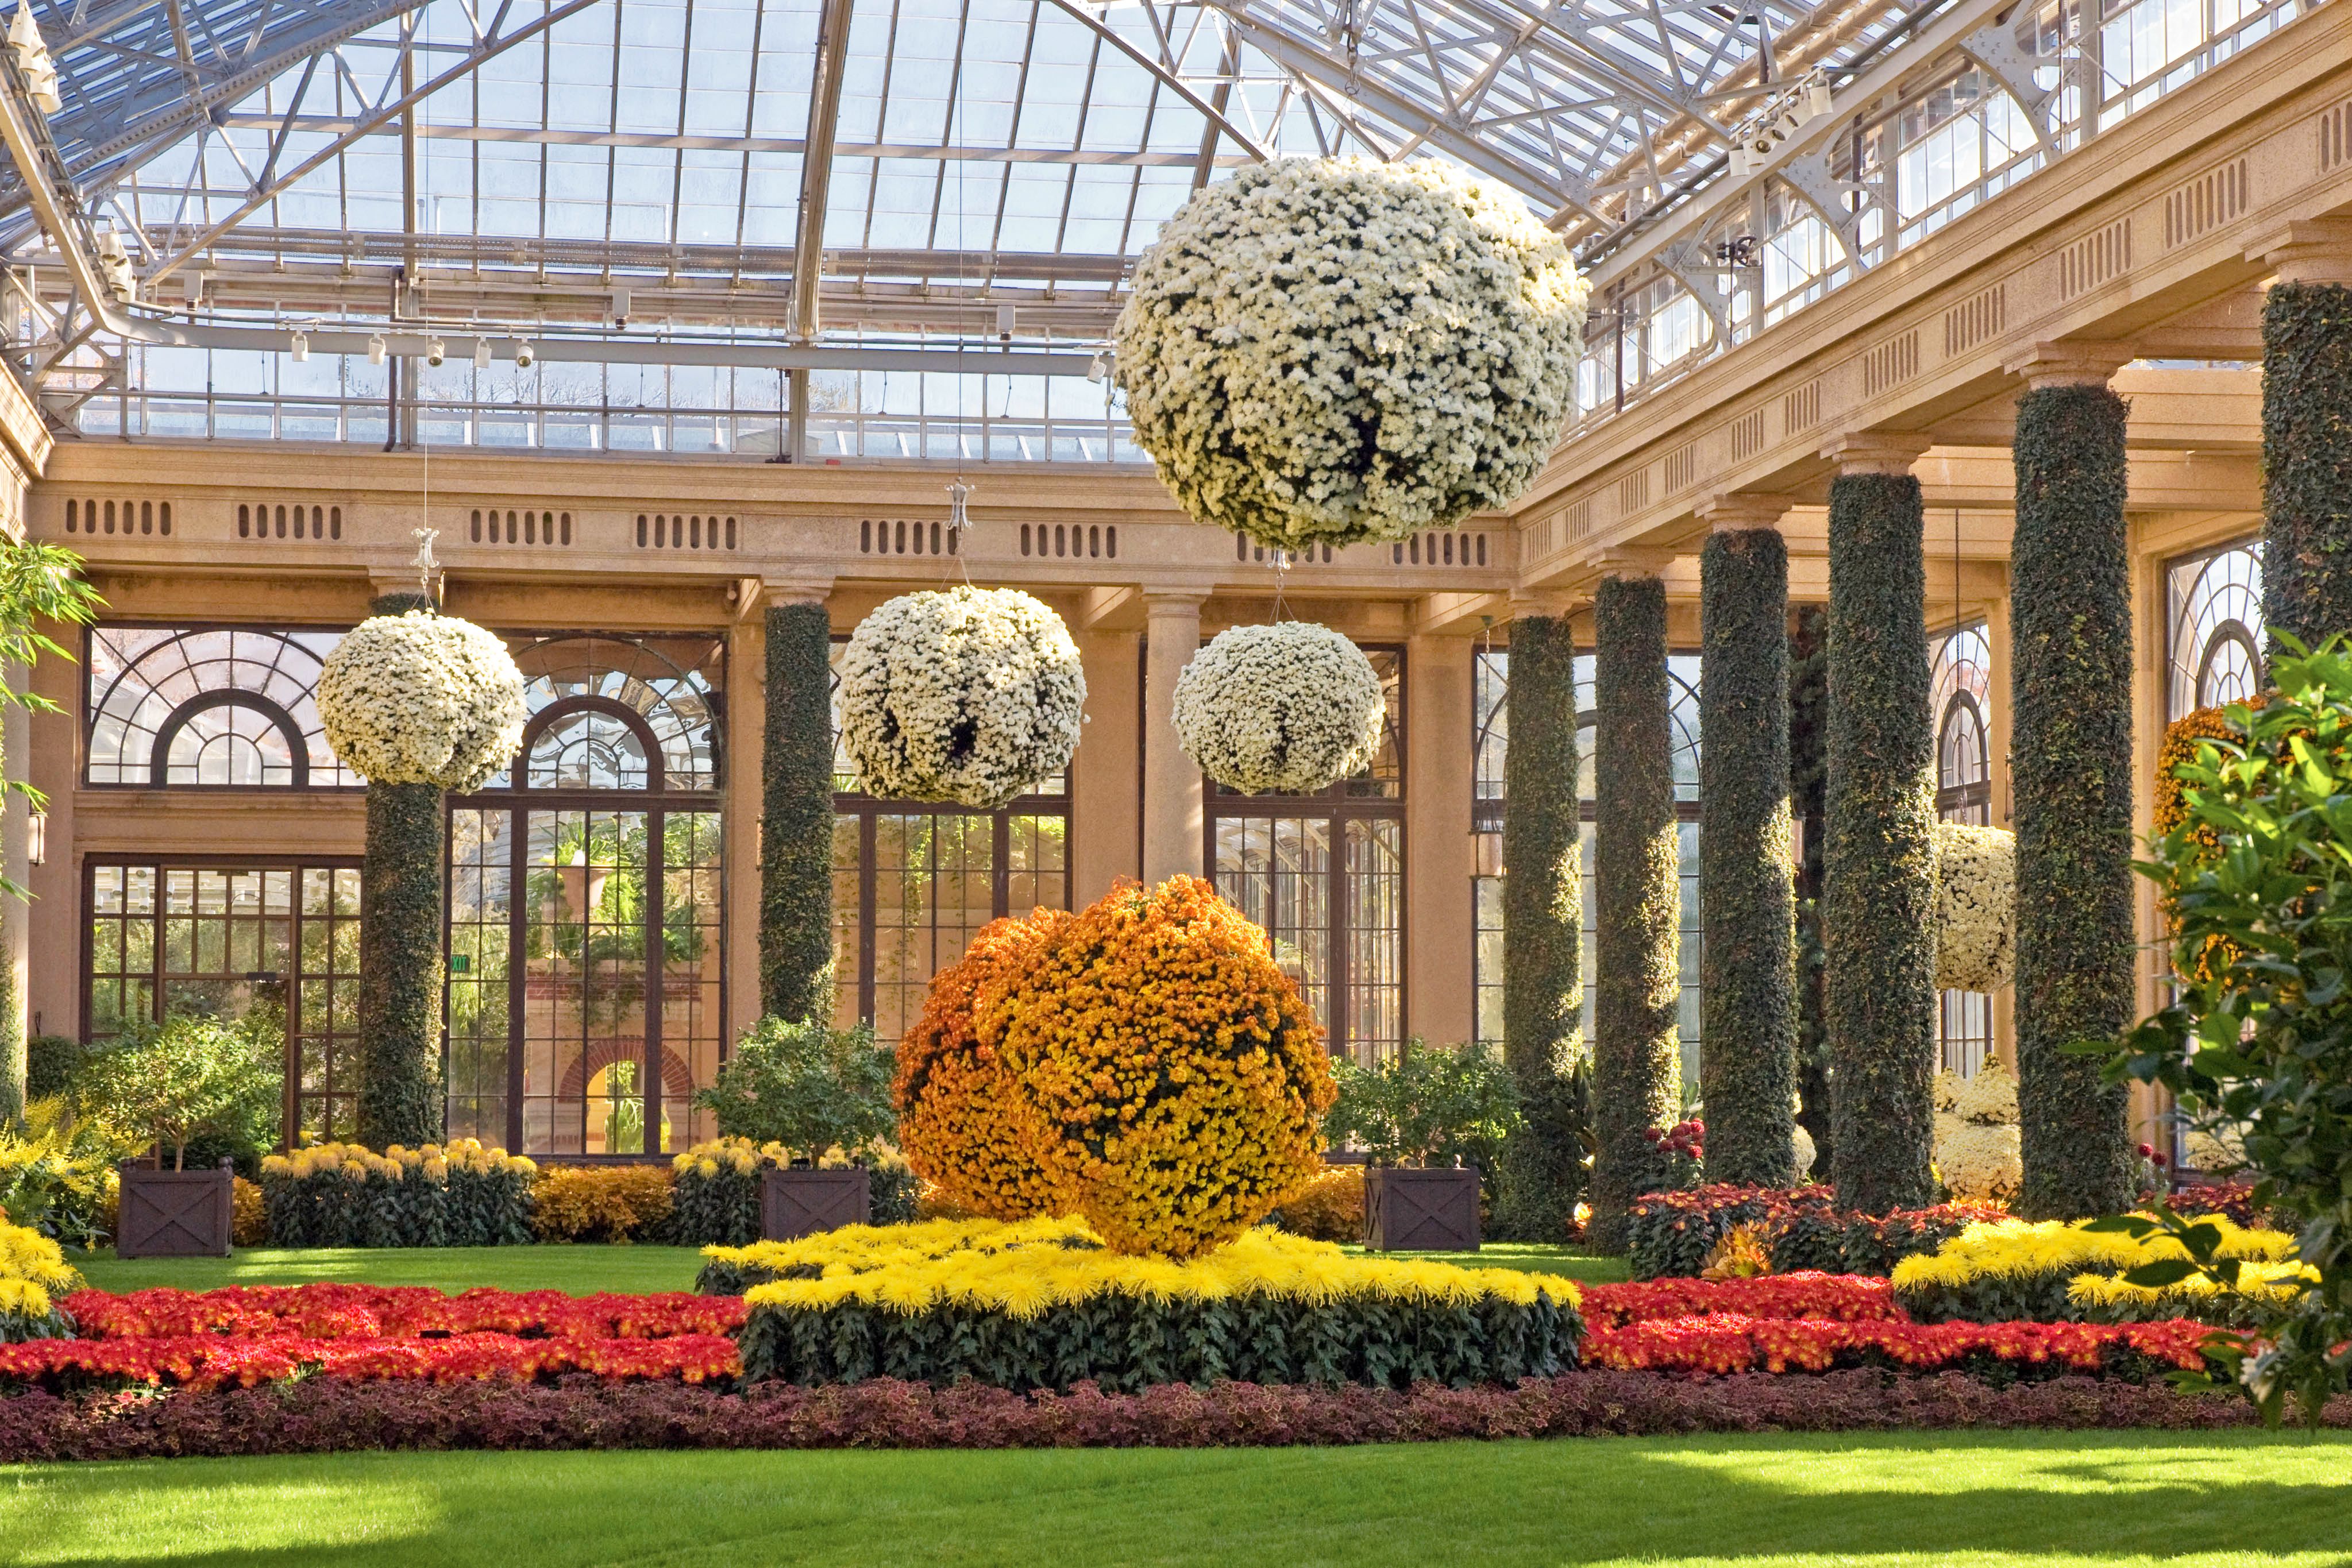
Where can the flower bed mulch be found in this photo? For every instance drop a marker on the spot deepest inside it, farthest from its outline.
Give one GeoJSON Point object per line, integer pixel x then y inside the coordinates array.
{"type": "Point", "coordinates": [323, 1415]}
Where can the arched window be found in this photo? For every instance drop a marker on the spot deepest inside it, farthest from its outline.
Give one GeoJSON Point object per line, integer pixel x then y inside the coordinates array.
{"type": "Point", "coordinates": [2214, 628]}
{"type": "Point", "coordinates": [585, 913]}
{"type": "Point", "coordinates": [1960, 687]}
{"type": "Point", "coordinates": [221, 706]}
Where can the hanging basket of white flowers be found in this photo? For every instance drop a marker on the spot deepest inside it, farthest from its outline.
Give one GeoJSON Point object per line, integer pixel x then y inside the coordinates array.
{"type": "Point", "coordinates": [1976, 903]}
{"type": "Point", "coordinates": [422, 699]}
{"type": "Point", "coordinates": [1320, 350]}
{"type": "Point", "coordinates": [1283, 709]}
{"type": "Point", "coordinates": [972, 694]}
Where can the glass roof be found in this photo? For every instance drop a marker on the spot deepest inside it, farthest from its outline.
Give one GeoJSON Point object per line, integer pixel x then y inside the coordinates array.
{"type": "Point", "coordinates": [576, 164]}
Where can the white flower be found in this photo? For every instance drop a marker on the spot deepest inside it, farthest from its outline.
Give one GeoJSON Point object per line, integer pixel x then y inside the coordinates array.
{"type": "Point", "coordinates": [422, 699]}
{"type": "Point", "coordinates": [1286, 708]}
{"type": "Point", "coordinates": [1801, 1146]}
{"type": "Point", "coordinates": [1976, 900]}
{"type": "Point", "coordinates": [1331, 350]}
{"type": "Point", "coordinates": [974, 694]}
{"type": "Point", "coordinates": [1978, 1160]}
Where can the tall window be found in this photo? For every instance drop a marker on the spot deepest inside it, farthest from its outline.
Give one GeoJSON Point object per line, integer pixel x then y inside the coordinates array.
{"type": "Point", "coordinates": [585, 988]}
{"type": "Point", "coordinates": [1491, 718]}
{"type": "Point", "coordinates": [913, 882]}
{"type": "Point", "coordinates": [1323, 874]}
{"type": "Point", "coordinates": [1961, 693]}
{"type": "Point", "coordinates": [2213, 630]}
{"type": "Point", "coordinates": [173, 706]}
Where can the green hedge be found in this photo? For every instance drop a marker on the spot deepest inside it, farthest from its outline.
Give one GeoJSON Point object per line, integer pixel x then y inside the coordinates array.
{"type": "Point", "coordinates": [1801, 1228]}
{"type": "Point", "coordinates": [401, 911]}
{"type": "Point", "coordinates": [2307, 460]}
{"type": "Point", "coordinates": [1808, 773]}
{"type": "Point", "coordinates": [464, 1208]}
{"type": "Point", "coordinates": [1637, 1045]}
{"type": "Point", "coordinates": [797, 815]}
{"type": "Point", "coordinates": [1543, 990]}
{"type": "Point", "coordinates": [1748, 1071]}
{"type": "Point", "coordinates": [2070, 776]}
{"type": "Point", "coordinates": [1879, 863]}
{"type": "Point", "coordinates": [1127, 1344]}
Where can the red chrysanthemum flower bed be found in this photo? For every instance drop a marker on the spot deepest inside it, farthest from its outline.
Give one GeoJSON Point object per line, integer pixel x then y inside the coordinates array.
{"type": "Point", "coordinates": [207, 1361]}
{"type": "Point", "coordinates": [398, 1311]}
{"type": "Point", "coordinates": [1845, 1298]}
{"type": "Point", "coordinates": [1716, 1345]}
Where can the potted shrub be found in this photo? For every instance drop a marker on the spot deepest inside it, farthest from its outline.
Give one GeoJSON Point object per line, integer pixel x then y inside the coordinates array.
{"type": "Point", "coordinates": [1428, 1122]}
{"type": "Point", "coordinates": [193, 1079]}
{"type": "Point", "coordinates": [821, 1093]}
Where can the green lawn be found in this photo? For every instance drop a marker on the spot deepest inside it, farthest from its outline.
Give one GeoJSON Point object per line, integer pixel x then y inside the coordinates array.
{"type": "Point", "coordinates": [2032, 1501]}
{"type": "Point", "coordinates": [583, 1270]}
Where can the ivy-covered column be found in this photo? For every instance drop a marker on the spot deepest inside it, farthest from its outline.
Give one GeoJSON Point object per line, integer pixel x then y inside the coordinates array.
{"type": "Point", "coordinates": [796, 809]}
{"type": "Point", "coordinates": [2307, 435]}
{"type": "Point", "coordinates": [1809, 772]}
{"type": "Point", "coordinates": [403, 897]}
{"type": "Point", "coordinates": [1879, 862]}
{"type": "Point", "coordinates": [2069, 776]}
{"type": "Point", "coordinates": [1543, 896]}
{"type": "Point", "coordinates": [1637, 905]}
{"type": "Point", "coordinates": [1748, 1002]}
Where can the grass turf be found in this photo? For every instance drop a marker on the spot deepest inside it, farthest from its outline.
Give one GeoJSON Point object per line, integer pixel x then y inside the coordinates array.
{"type": "Point", "coordinates": [584, 1269]}
{"type": "Point", "coordinates": [1983, 1500]}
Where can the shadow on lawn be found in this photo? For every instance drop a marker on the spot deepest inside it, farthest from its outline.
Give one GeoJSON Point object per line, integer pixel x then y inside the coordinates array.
{"type": "Point", "coordinates": [2027, 1497]}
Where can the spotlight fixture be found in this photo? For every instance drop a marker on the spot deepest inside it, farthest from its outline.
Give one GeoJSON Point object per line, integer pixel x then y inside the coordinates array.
{"type": "Point", "coordinates": [1004, 323]}
{"type": "Point", "coordinates": [375, 348]}
{"type": "Point", "coordinates": [1817, 95]}
{"type": "Point", "coordinates": [620, 307]}
{"type": "Point", "coordinates": [32, 52]}
{"type": "Point", "coordinates": [481, 353]}
{"type": "Point", "coordinates": [523, 356]}
{"type": "Point", "coordinates": [435, 350]}
{"type": "Point", "coordinates": [1098, 367]}
{"type": "Point", "coordinates": [301, 347]}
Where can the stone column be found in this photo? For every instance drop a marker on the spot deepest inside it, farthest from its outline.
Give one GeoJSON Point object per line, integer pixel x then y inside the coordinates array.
{"type": "Point", "coordinates": [1172, 822]}
{"type": "Point", "coordinates": [2071, 777]}
{"type": "Point", "coordinates": [740, 734]}
{"type": "Point", "coordinates": [2306, 440]}
{"type": "Point", "coordinates": [1637, 904]}
{"type": "Point", "coordinates": [1748, 1067]}
{"type": "Point", "coordinates": [1106, 799]}
{"type": "Point", "coordinates": [1437, 843]}
{"type": "Point", "coordinates": [1879, 865]}
{"type": "Point", "coordinates": [797, 803]}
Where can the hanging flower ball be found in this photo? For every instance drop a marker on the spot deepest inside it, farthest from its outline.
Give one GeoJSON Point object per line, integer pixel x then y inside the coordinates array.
{"type": "Point", "coordinates": [1282, 709]}
{"type": "Point", "coordinates": [1976, 904]}
{"type": "Point", "coordinates": [974, 695]}
{"type": "Point", "coordinates": [422, 699]}
{"type": "Point", "coordinates": [1173, 1080]}
{"type": "Point", "coordinates": [1323, 350]}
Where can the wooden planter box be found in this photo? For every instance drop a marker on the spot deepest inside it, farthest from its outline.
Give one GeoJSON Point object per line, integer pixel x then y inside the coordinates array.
{"type": "Point", "coordinates": [175, 1214]}
{"type": "Point", "coordinates": [1418, 1210]}
{"type": "Point", "coordinates": [796, 1203]}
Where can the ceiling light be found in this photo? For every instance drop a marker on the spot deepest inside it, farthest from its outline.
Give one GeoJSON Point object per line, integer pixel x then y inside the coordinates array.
{"type": "Point", "coordinates": [620, 307]}
{"type": "Point", "coordinates": [1817, 96]}
{"type": "Point", "coordinates": [1004, 322]}
{"type": "Point", "coordinates": [435, 350]}
{"type": "Point", "coordinates": [1098, 367]}
{"type": "Point", "coordinates": [481, 353]}
{"type": "Point", "coordinates": [375, 348]}
{"type": "Point", "coordinates": [301, 347]}
{"type": "Point", "coordinates": [522, 356]}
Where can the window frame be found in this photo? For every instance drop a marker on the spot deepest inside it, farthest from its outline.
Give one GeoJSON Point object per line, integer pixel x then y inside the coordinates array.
{"type": "Point", "coordinates": [159, 758]}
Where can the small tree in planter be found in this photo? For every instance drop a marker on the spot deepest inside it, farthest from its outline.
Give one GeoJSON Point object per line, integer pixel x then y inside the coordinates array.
{"type": "Point", "coordinates": [196, 1079]}
{"type": "Point", "coordinates": [816, 1093]}
{"type": "Point", "coordinates": [1429, 1120]}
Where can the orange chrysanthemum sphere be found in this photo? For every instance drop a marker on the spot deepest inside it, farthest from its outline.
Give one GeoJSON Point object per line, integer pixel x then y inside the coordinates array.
{"type": "Point", "coordinates": [960, 1123]}
{"type": "Point", "coordinates": [1174, 1080]}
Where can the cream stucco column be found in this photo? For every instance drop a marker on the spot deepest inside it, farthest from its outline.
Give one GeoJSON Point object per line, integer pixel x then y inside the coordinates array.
{"type": "Point", "coordinates": [747, 656]}
{"type": "Point", "coordinates": [1438, 866]}
{"type": "Point", "coordinates": [1172, 824]}
{"type": "Point", "coordinates": [1106, 804]}
{"type": "Point", "coordinates": [53, 927]}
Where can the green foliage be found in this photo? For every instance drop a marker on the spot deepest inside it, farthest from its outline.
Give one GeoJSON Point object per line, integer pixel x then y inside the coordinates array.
{"type": "Point", "coordinates": [2260, 1043]}
{"type": "Point", "coordinates": [2306, 463]}
{"type": "Point", "coordinates": [361, 1202]}
{"type": "Point", "coordinates": [57, 1173]}
{"type": "Point", "coordinates": [1426, 1105]}
{"type": "Point", "coordinates": [1129, 1343]}
{"type": "Point", "coordinates": [37, 582]}
{"type": "Point", "coordinates": [2070, 773]}
{"type": "Point", "coordinates": [1543, 990]}
{"type": "Point", "coordinates": [191, 1079]}
{"type": "Point", "coordinates": [401, 911]}
{"type": "Point", "coordinates": [796, 816]}
{"type": "Point", "coordinates": [1809, 774]}
{"type": "Point", "coordinates": [807, 1086]}
{"type": "Point", "coordinates": [1879, 862]}
{"type": "Point", "coordinates": [1748, 1071]}
{"type": "Point", "coordinates": [1637, 1045]}
{"type": "Point", "coordinates": [51, 1062]}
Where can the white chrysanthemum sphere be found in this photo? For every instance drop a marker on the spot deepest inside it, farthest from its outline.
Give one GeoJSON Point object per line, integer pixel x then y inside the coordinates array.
{"type": "Point", "coordinates": [974, 696]}
{"type": "Point", "coordinates": [422, 699]}
{"type": "Point", "coordinates": [1323, 350]}
{"type": "Point", "coordinates": [1976, 904]}
{"type": "Point", "coordinates": [1281, 709]}
{"type": "Point", "coordinates": [1801, 1146]}
{"type": "Point", "coordinates": [1982, 1161]}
